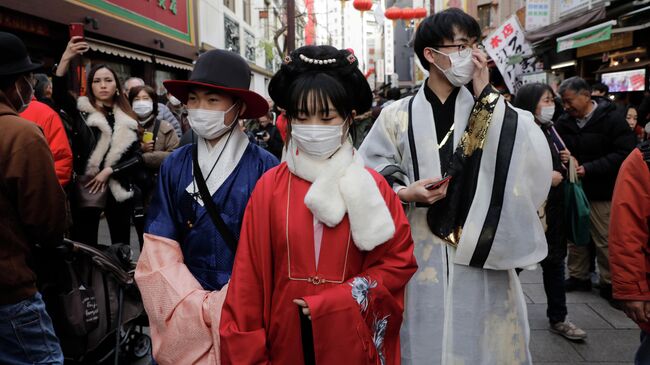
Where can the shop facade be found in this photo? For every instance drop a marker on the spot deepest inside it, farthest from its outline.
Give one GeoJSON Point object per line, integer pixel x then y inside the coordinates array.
{"type": "Point", "coordinates": [153, 40]}
{"type": "Point", "coordinates": [600, 41]}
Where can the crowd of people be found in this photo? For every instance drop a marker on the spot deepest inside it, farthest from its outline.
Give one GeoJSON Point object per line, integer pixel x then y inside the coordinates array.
{"type": "Point", "coordinates": [329, 223]}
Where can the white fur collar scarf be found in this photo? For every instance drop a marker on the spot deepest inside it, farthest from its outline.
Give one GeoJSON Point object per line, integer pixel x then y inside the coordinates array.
{"type": "Point", "coordinates": [111, 144]}
{"type": "Point", "coordinates": [341, 185]}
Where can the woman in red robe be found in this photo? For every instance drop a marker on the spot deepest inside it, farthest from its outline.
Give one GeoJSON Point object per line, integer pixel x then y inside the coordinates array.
{"type": "Point", "coordinates": [325, 250]}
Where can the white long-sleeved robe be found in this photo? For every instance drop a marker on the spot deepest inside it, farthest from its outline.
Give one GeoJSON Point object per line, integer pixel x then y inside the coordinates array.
{"type": "Point", "coordinates": [456, 313]}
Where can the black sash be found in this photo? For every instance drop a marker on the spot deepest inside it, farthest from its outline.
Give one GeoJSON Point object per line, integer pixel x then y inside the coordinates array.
{"type": "Point", "coordinates": [208, 203]}
{"type": "Point", "coordinates": [504, 156]}
{"type": "Point", "coordinates": [447, 216]}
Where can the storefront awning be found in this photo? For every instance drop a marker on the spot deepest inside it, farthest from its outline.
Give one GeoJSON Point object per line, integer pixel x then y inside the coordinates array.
{"type": "Point", "coordinates": [565, 25]}
{"type": "Point", "coordinates": [173, 63]}
{"type": "Point", "coordinates": [631, 28]}
{"type": "Point", "coordinates": [116, 50]}
{"type": "Point", "coordinates": [595, 34]}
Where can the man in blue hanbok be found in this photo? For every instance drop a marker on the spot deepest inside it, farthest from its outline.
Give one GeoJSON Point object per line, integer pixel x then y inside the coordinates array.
{"type": "Point", "coordinates": [195, 217]}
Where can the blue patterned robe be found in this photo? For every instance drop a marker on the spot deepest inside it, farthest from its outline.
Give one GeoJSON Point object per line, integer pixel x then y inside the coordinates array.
{"type": "Point", "coordinates": [174, 213]}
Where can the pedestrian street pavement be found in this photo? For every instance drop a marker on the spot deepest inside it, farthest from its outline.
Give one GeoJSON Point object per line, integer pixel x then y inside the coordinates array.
{"type": "Point", "coordinates": [612, 337]}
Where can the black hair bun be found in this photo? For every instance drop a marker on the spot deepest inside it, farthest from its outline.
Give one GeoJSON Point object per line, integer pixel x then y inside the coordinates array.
{"type": "Point", "coordinates": [342, 64]}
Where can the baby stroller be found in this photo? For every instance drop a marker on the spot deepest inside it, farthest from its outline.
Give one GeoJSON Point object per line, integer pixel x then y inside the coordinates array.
{"type": "Point", "coordinates": [94, 303]}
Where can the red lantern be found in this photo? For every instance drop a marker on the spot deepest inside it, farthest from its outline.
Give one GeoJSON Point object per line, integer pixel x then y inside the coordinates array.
{"type": "Point", "coordinates": [393, 13]}
{"type": "Point", "coordinates": [362, 5]}
{"type": "Point", "coordinates": [420, 13]}
{"type": "Point", "coordinates": [408, 13]}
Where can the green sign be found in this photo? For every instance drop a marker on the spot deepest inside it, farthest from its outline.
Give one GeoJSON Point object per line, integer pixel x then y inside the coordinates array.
{"type": "Point", "coordinates": [583, 38]}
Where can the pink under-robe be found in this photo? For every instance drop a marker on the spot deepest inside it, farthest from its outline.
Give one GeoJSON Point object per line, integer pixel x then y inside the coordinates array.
{"type": "Point", "coordinates": [184, 318]}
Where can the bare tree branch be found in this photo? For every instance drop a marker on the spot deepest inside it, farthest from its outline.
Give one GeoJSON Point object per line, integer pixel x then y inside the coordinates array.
{"type": "Point", "coordinates": [282, 31]}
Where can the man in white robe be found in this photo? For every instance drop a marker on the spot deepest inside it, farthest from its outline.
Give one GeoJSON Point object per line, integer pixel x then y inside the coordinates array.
{"type": "Point", "coordinates": [465, 304]}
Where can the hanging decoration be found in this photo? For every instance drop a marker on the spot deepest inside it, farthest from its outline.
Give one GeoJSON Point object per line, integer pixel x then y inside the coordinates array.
{"type": "Point", "coordinates": [420, 13]}
{"type": "Point", "coordinates": [394, 14]}
{"type": "Point", "coordinates": [362, 5]}
{"type": "Point", "coordinates": [408, 14]}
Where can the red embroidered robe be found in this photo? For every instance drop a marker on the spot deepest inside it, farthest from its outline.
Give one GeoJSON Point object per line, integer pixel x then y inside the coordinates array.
{"type": "Point", "coordinates": [275, 264]}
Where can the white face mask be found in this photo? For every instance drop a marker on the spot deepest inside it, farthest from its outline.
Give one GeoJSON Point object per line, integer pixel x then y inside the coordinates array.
{"type": "Point", "coordinates": [546, 114]}
{"type": "Point", "coordinates": [24, 100]}
{"type": "Point", "coordinates": [461, 70]}
{"type": "Point", "coordinates": [143, 108]}
{"type": "Point", "coordinates": [209, 124]}
{"type": "Point", "coordinates": [174, 101]}
{"type": "Point", "coordinates": [318, 141]}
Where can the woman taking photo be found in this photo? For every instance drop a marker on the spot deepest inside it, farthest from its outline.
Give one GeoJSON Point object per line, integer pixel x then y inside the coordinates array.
{"type": "Point", "coordinates": [325, 249]}
{"type": "Point", "coordinates": [538, 99]}
{"type": "Point", "coordinates": [106, 150]}
{"type": "Point", "coordinates": [157, 140]}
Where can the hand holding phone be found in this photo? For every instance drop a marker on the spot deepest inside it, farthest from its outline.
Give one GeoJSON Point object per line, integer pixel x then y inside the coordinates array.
{"type": "Point", "coordinates": [437, 184]}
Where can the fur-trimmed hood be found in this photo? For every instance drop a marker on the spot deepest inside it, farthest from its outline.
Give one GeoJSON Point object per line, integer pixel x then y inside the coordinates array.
{"type": "Point", "coordinates": [112, 143]}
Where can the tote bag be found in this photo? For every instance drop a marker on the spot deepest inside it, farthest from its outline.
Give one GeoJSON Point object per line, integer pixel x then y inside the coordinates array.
{"type": "Point", "coordinates": [577, 208]}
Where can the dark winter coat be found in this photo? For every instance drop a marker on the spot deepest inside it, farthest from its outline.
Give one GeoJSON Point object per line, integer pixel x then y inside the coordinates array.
{"type": "Point", "coordinates": [600, 147]}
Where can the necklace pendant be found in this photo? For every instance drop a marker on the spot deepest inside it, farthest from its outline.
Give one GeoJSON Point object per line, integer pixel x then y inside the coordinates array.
{"type": "Point", "coordinates": [316, 280]}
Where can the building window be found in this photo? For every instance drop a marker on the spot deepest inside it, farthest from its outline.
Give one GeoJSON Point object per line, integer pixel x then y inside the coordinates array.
{"type": "Point", "coordinates": [231, 30]}
{"type": "Point", "coordinates": [250, 47]}
{"type": "Point", "coordinates": [247, 11]}
{"type": "Point", "coordinates": [230, 4]}
{"type": "Point", "coordinates": [484, 12]}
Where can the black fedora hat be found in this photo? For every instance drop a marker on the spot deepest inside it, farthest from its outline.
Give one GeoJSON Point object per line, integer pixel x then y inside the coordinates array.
{"type": "Point", "coordinates": [14, 60]}
{"type": "Point", "coordinates": [226, 72]}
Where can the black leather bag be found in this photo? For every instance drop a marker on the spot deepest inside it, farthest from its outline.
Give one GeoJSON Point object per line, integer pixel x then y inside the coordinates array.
{"type": "Point", "coordinates": [82, 196]}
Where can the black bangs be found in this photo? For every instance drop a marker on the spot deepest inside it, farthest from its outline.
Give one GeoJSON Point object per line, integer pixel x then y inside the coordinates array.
{"type": "Point", "coordinates": [312, 75]}
{"type": "Point", "coordinates": [312, 93]}
{"type": "Point", "coordinates": [529, 96]}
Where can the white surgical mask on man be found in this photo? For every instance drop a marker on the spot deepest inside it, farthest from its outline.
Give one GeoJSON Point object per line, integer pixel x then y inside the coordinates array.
{"type": "Point", "coordinates": [143, 108]}
{"type": "Point", "coordinates": [174, 100]}
{"type": "Point", "coordinates": [209, 124]}
{"type": "Point", "coordinates": [24, 100]}
{"type": "Point", "coordinates": [317, 141]}
{"type": "Point", "coordinates": [461, 70]}
{"type": "Point", "coordinates": [546, 114]}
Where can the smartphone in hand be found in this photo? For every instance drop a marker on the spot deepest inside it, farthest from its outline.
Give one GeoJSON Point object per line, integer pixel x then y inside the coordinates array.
{"type": "Point", "coordinates": [76, 30]}
{"type": "Point", "coordinates": [437, 184]}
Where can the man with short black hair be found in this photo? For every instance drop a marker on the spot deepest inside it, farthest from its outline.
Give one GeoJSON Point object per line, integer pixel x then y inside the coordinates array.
{"type": "Point", "coordinates": [599, 139]}
{"type": "Point", "coordinates": [465, 303]}
{"type": "Point", "coordinates": [599, 89]}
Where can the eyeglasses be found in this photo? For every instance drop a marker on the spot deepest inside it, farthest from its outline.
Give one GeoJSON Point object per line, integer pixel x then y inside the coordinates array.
{"type": "Point", "coordinates": [464, 50]}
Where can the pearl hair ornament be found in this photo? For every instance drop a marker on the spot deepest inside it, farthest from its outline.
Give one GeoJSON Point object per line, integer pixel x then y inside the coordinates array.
{"type": "Point", "coordinates": [327, 61]}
